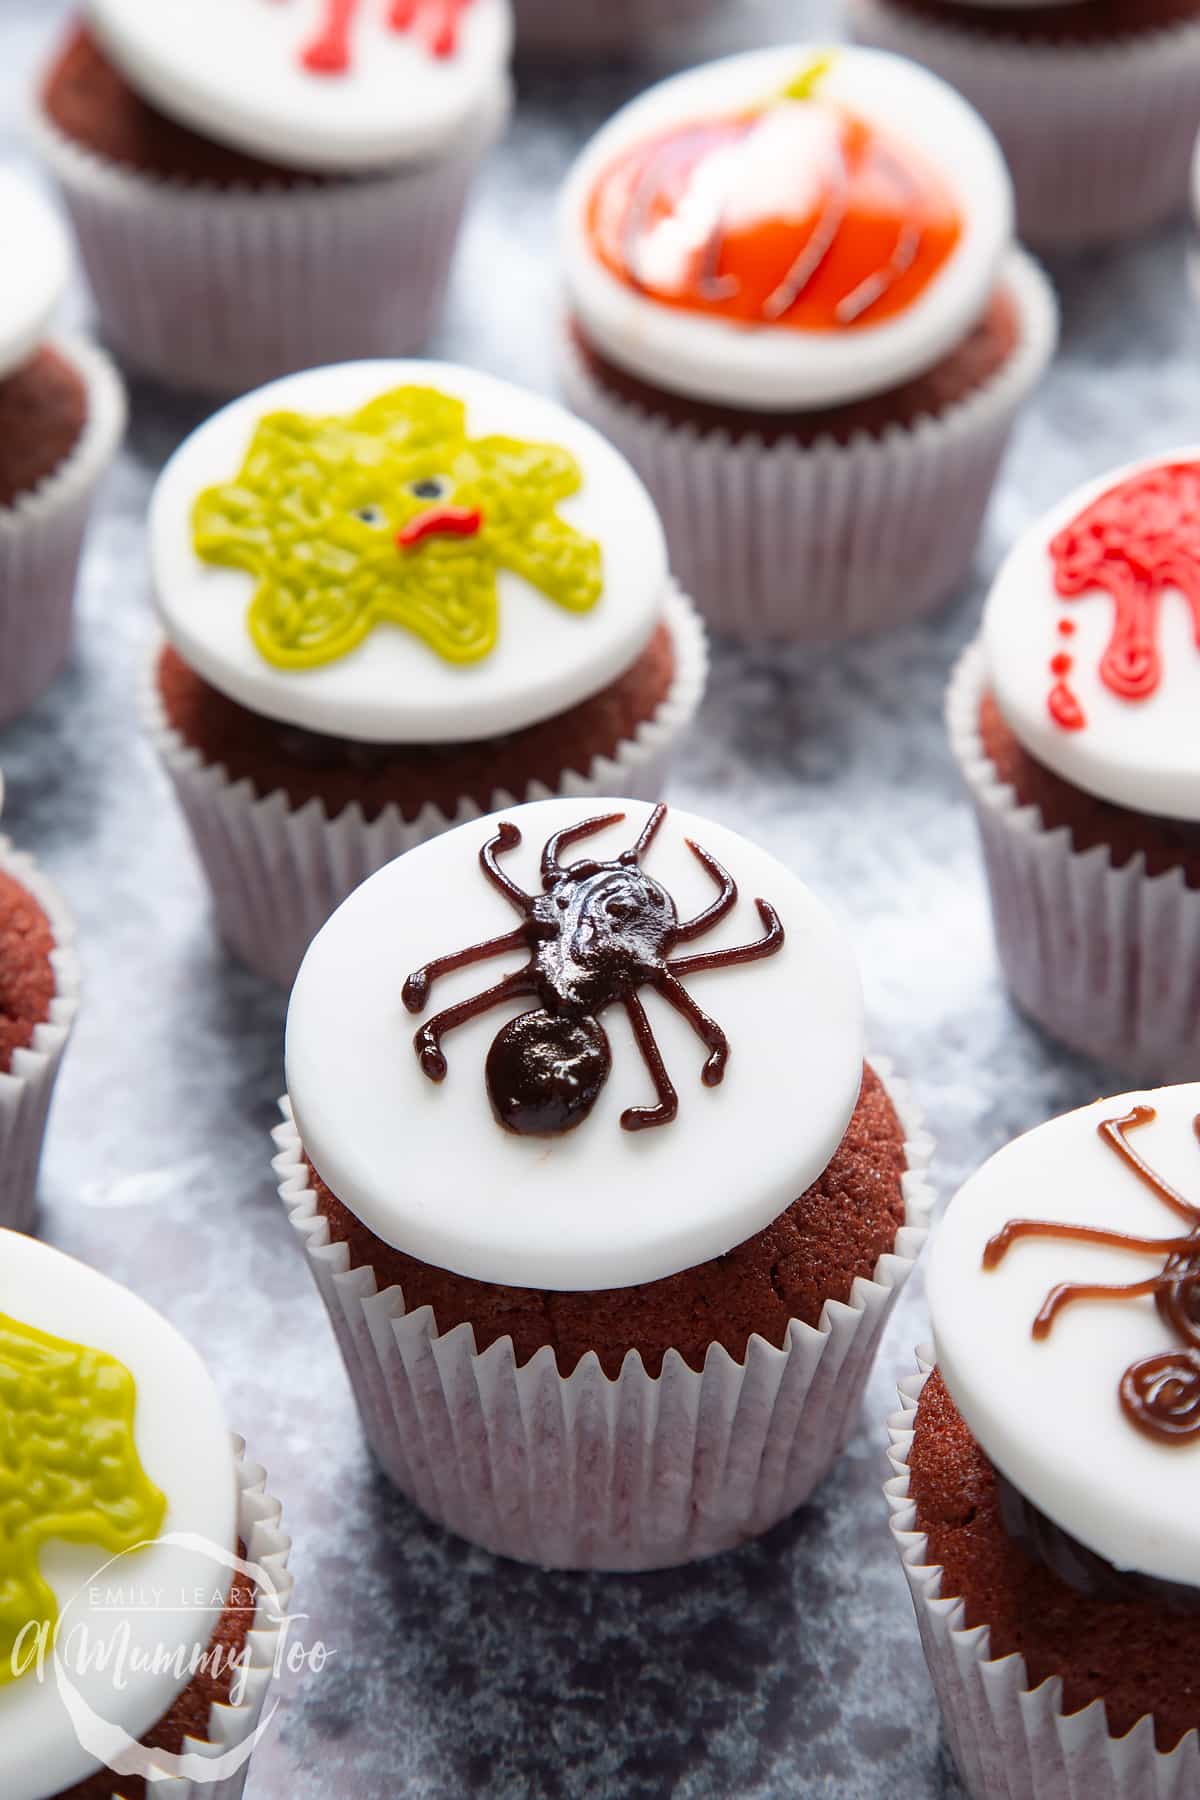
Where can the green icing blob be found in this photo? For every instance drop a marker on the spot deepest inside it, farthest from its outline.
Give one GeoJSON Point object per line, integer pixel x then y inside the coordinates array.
{"type": "Point", "coordinates": [315, 512]}
{"type": "Point", "coordinates": [804, 85]}
{"type": "Point", "coordinates": [69, 1469]}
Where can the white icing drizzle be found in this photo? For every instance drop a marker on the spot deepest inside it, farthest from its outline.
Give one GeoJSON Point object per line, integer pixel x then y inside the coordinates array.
{"type": "Point", "coordinates": [1142, 753]}
{"type": "Point", "coordinates": [1047, 1411]}
{"type": "Point", "coordinates": [777, 166]}
{"type": "Point", "coordinates": [34, 270]}
{"type": "Point", "coordinates": [428, 1168]}
{"type": "Point", "coordinates": [193, 1466]}
{"type": "Point", "coordinates": [234, 71]}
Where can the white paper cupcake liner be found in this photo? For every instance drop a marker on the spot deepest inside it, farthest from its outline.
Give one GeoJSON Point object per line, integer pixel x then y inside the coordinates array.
{"type": "Point", "coordinates": [1106, 960]}
{"type": "Point", "coordinates": [587, 1472]}
{"type": "Point", "coordinates": [825, 542]}
{"type": "Point", "coordinates": [230, 1726]}
{"type": "Point", "coordinates": [41, 538]}
{"type": "Point", "coordinates": [1099, 137]}
{"type": "Point", "coordinates": [223, 289]}
{"type": "Point", "coordinates": [277, 872]}
{"type": "Point", "coordinates": [602, 27]}
{"type": "Point", "coordinates": [28, 1087]}
{"type": "Point", "coordinates": [1011, 1741]}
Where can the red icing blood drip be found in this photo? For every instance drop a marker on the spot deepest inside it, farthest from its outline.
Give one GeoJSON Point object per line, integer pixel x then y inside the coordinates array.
{"type": "Point", "coordinates": [1136, 541]}
{"type": "Point", "coordinates": [437, 20]}
{"type": "Point", "coordinates": [1065, 709]}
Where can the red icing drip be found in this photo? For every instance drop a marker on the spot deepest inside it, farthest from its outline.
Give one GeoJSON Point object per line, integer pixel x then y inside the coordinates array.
{"type": "Point", "coordinates": [1061, 664]}
{"type": "Point", "coordinates": [438, 21]}
{"type": "Point", "coordinates": [440, 521]}
{"type": "Point", "coordinates": [1066, 628]}
{"type": "Point", "coordinates": [1065, 709]}
{"type": "Point", "coordinates": [1136, 541]}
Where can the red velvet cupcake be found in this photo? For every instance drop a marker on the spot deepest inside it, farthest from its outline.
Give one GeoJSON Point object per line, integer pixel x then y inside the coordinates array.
{"type": "Point", "coordinates": [1045, 1467]}
{"type": "Point", "coordinates": [397, 595]}
{"type": "Point", "coordinates": [584, 1327]}
{"type": "Point", "coordinates": [1096, 103]}
{"type": "Point", "coordinates": [62, 411]}
{"type": "Point", "coordinates": [1073, 720]}
{"type": "Point", "coordinates": [795, 305]}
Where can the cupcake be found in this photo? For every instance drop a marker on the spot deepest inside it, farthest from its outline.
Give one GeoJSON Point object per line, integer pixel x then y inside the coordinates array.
{"type": "Point", "coordinates": [62, 411]}
{"type": "Point", "coordinates": [144, 1573]}
{"type": "Point", "coordinates": [1073, 721]}
{"type": "Point", "coordinates": [815, 373]}
{"type": "Point", "coordinates": [608, 1270]}
{"type": "Point", "coordinates": [1096, 103]}
{"type": "Point", "coordinates": [39, 997]}
{"type": "Point", "coordinates": [259, 188]}
{"type": "Point", "coordinates": [1046, 1466]}
{"type": "Point", "coordinates": [613, 27]}
{"type": "Point", "coordinates": [397, 595]}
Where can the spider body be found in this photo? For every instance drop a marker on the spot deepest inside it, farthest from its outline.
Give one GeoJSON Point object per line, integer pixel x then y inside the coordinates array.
{"type": "Point", "coordinates": [596, 934]}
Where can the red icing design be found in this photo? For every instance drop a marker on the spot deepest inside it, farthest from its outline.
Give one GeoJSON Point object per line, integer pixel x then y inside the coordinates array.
{"type": "Point", "coordinates": [437, 21]}
{"type": "Point", "coordinates": [440, 521]}
{"type": "Point", "coordinates": [1134, 542]}
{"type": "Point", "coordinates": [1065, 709]}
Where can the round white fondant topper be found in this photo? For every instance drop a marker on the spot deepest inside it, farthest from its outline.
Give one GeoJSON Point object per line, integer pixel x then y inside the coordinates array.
{"type": "Point", "coordinates": [1047, 1409]}
{"type": "Point", "coordinates": [34, 270]}
{"type": "Point", "coordinates": [782, 160]}
{"type": "Point", "coordinates": [1092, 637]}
{"type": "Point", "coordinates": [426, 1164]}
{"type": "Point", "coordinates": [184, 1449]}
{"type": "Point", "coordinates": [404, 552]}
{"type": "Point", "coordinates": [315, 84]}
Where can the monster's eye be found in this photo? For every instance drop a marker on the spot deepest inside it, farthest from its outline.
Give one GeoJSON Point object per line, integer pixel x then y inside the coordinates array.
{"type": "Point", "coordinates": [371, 515]}
{"type": "Point", "coordinates": [433, 487]}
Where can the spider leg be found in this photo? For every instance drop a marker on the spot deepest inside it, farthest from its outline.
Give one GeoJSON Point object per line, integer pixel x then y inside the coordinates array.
{"type": "Point", "coordinates": [1067, 1291]}
{"type": "Point", "coordinates": [766, 945]}
{"type": "Point", "coordinates": [507, 838]}
{"type": "Point", "coordinates": [641, 1118]}
{"type": "Point", "coordinates": [416, 988]}
{"type": "Point", "coordinates": [648, 834]}
{"type": "Point", "coordinates": [998, 1246]}
{"type": "Point", "coordinates": [552, 869]}
{"type": "Point", "coordinates": [706, 1029]}
{"type": "Point", "coordinates": [712, 914]}
{"type": "Point", "coordinates": [1113, 1133]}
{"type": "Point", "coordinates": [428, 1041]}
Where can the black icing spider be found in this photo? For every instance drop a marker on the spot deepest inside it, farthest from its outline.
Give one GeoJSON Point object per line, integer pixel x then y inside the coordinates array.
{"type": "Point", "coordinates": [599, 932]}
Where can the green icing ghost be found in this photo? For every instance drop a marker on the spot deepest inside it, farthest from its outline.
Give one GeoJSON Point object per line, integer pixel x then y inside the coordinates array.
{"type": "Point", "coordinates": [393, 514]}
{"type": "Point", "coordinates": [69, 1469]}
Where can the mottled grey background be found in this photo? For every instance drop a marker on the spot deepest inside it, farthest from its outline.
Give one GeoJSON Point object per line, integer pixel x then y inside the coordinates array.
{"type": "Point", "coordinates": [792, 1667]}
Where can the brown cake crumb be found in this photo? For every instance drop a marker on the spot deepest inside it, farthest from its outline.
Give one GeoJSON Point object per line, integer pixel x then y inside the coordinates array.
{"type": "Point", "coordinates": [1098, 21]}
{"type": "Point", "coordinates": [89, 100]}
{"type": "Point", "coordinates": [1132, 1655]}
{"type": "Point", "coordinates": [307, 765]}
{"type": "Point", "coordinates": [190, 1713]}
{"type": "Point", "coordinates": [836, 1231]}
{"type": "Point", "coordinates": [961, 372]}
{"type": "Point", "coordinates": [1165, 843]}
{"type": "Point", "coordinates": [27, 981]}
{"type": "Point", "coordinates": [43, 410]}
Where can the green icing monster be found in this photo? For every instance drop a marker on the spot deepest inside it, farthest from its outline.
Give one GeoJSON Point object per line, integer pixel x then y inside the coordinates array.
{"type": "Point", "coordinates": [69, 1469]}
{"type": "Point", "coordinates": [393, 514]}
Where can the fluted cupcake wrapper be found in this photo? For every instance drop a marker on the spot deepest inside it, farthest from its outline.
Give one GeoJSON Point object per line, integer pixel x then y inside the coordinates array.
{"type": "Point", "coordinates": [223, 289]}
{"type": "Point", "coordinates": [601, 26]}
{"type": "Point", "coordinates": [823, 542]}
{"type": "Point", "coordinates": [1012, 1741]}
{"type": "Point", "coordinates": [1107, 960]}
{"type": "Point", "coordinates": [28, 1088]}
{"type": "Point", "coordinates": [277, 871]}
{"type": "Point", "coordinates": [41, 538]}
{"type": "Point", "coordinates": [1099, 137]}
{"type": "Point", "coordinates": [588, 1472]}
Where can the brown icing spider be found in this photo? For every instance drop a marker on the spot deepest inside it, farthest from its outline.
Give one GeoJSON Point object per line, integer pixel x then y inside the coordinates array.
{"type": "Point", "coordinates": [1160, 1394]}
{"type": "Point", "coordinates": [598, 933]}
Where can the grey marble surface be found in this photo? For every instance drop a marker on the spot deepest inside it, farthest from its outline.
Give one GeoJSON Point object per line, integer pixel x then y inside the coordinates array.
{"type": "Point", "coordinates": [792, 1667]}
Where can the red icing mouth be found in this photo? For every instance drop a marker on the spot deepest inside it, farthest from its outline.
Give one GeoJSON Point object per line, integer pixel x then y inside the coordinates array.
{"type": "Point", "coordinates": [1133, 543]}
{"type": "Point", "coordinates": [437, 21]}
{"type": "Point", "coordinates": [440, 521]}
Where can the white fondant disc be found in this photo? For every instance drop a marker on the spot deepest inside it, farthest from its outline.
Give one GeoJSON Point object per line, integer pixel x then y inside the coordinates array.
{"type": "Point", "coordinates": [184, 1447]}
{"type": "Point", "coordinates": [427, 1167]}
{"type": "Point", "coordinates": [393, 688]}
{"type": "Point", "coordinates": [773, 367]}
{"type": "Point", "coordinates": [1144, 753]}
{"type": "Point", "coordinates": [234, 71]}
{"type": "Point", "coordinates": [34, 269]}
{"type": "Point", "coordinates": [1047, 1412]}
